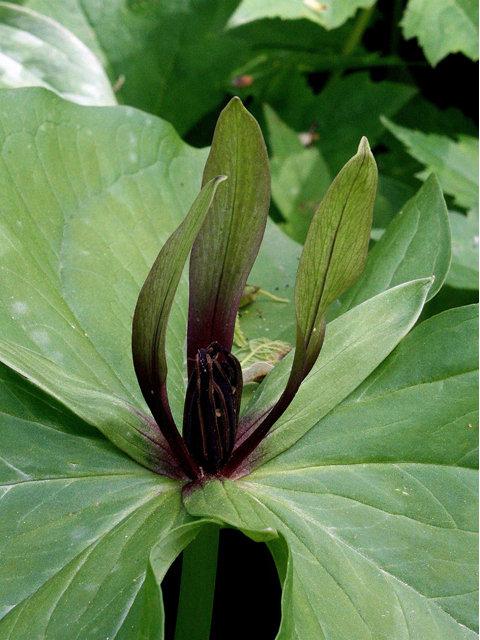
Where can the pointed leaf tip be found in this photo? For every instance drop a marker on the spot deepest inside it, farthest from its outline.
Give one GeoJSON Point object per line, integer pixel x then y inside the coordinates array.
{"type": "Point", "coordinates": [364, 146]}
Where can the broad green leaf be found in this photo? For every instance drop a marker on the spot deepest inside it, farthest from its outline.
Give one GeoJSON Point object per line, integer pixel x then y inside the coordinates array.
{"type": "Point", "coordinates": [364, 558]}
{"type": "Point", "coordinates": [229, 240]}
{"type": "Point", "coordinates": [329, 14]}
{"type": "Point", "coordinates": [127, 427]}
{"type": "Point", "coordinates": [377, 504]}
{"type": "Point", "coordinates": [70, 280]}
{"type": "Point", "coordinates": [37, 51]}
{"type": "Point", "coordinates": [456, 163]}
{"type": "Point", "coordinates": [116, 184]}
{"type": "Point", "coordinates": [79, 519]}
{"type": "Point", "coordinates": [417, 244]}
{"type": "Point", "coordinates": [300, 177]}
{"type": "Point", "coordinates": [335, 250]}
{"type": "Point", "coordinates": [420, 405]}
{"type": "Point", "coordinates": [442, 27]}
{"type": "Point", "coordinates": [21, 399]}
{"type": "Point", "coordinates": [355, 344]}
{"type": "Point", "coordinates": [463, 272]}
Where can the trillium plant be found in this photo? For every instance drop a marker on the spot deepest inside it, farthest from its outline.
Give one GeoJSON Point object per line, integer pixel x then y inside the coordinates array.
{"type": "Point", "coordinates": [223, 231]}
{"type": "Point", "coordinates": [130, 432]}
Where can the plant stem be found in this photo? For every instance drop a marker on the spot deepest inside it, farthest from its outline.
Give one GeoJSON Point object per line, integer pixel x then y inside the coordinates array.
{"type": "Point", "coordinates": [397, 10]}
{"type": "Point", "coordinates": [353, 39]}
{"type": "Point", "coordinates": [197, 588]}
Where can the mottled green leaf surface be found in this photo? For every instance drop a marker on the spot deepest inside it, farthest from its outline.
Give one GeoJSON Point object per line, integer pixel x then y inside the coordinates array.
{"type": "Point", "coordinates": [37, 51]}
{"type": "Point", "coordinates": [443, 27]}
{"type": "Point", "coordinates": [328, 13]}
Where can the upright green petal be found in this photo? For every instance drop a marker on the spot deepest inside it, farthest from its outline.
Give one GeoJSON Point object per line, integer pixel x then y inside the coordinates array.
{"type": "Point", "coordinates": [228, 242]}
{"type": "Point", "coordinates": [333, 257]}
{"type": "Point", "coordinates": [335, 250]}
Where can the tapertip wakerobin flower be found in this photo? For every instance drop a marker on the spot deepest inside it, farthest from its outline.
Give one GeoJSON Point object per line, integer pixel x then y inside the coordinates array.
{"type": "Point", "coordinates": [223, 231]}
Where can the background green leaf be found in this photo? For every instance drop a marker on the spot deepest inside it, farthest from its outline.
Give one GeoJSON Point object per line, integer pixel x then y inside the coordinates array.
{"type": "Point", "coordinates": [274, 271]}
{"type": "Point", "coordinates": [455, 163]}
{"type": "Point", "coordinates": [166, 54]}
{"type": "Point", "coordinates": [36, 51]}
{"type": "Point", "coordinates": [343, 112]}
{"type": "Point", "coordinates": [443, 27]}
{"type": "Point", "coordinates": [329, 14]}
{"type": "Point", "coordinates": [463, 272]}
{"type": "Point", "coordinates": [300, 177]}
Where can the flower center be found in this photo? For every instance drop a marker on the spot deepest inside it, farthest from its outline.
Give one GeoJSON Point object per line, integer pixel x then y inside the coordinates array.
{"type": "Point", "coordinates": [212, 406]}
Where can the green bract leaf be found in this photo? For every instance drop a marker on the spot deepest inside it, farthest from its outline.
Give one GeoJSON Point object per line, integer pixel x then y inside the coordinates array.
{"type": "Point", "coordinates": [37, 51]}
{"type": "Point", "coordinates": [443, 27]}
{"type": "Point", "coordinates": [417, 244]}
{"type": "Point", "coordinates": [463, 272]}
{"type": "Point", "coordinates": [228, 243]}
{"type": "Point", "coordinates": [328, 13]}
{"type": "Point", "coordinates": [335, 250]}
{"type": "Point", "coordinates": [456, 163]}
{"type": "Point", "coordinates": [153, 308]}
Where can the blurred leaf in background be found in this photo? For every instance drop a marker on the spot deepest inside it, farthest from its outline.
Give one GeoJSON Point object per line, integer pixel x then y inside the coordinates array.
{"type": "Point", "coordinates": [443, 27]}
{"type": "Point", "coordinates": [37, 51]}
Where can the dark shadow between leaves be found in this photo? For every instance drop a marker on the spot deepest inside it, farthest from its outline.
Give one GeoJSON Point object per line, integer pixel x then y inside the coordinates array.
{"type": "Point", "coordinates": [247, 594]}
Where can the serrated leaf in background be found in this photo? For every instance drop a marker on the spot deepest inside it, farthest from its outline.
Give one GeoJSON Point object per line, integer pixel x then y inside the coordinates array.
{"type": "Point", "coordinates": [443, 27]}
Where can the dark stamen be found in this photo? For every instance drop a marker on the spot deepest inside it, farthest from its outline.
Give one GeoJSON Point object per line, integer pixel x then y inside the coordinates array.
{"type": "Point", "coordinates": [212, 406]}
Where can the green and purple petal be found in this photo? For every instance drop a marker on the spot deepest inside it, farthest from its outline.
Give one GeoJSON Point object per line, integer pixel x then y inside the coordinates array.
{"type": "Point", "coordinates": [151, 316]}
{"type": "Point", "coordinates": [229, 240]}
